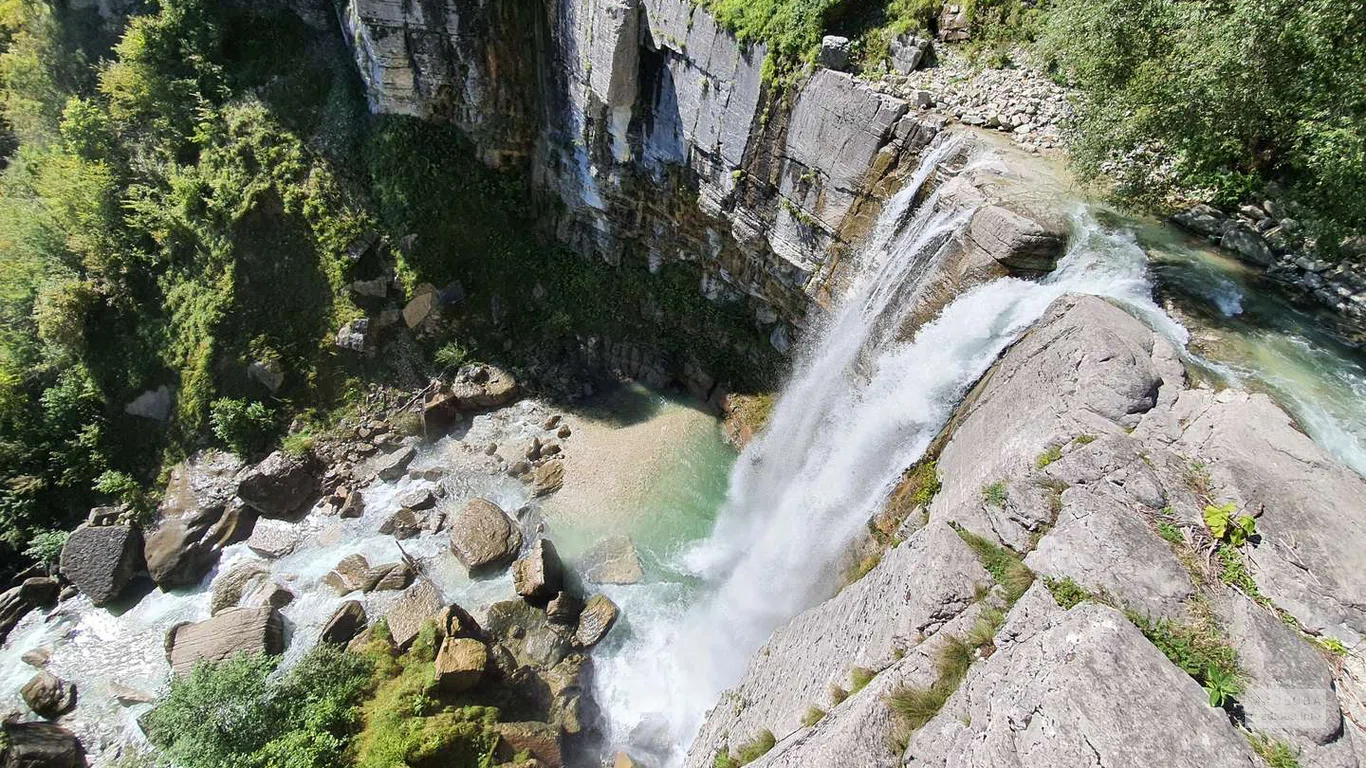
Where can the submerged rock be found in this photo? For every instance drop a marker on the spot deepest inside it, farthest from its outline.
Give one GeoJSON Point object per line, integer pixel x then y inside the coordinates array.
{"type": "Point", "coordinates": [613, 561]}
{"type": "Point", "coordinates": [101, 560]}
{"type": "Point", "coordinates": [483, 537]}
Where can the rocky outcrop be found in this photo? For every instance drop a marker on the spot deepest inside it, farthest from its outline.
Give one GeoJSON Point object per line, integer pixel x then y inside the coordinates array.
{"type": "Point", "coordinates": [236, 630]}
{"type": "Point", "coordinates": [101, 560]}
{"type": "Point", "coordinates": [1087, 451]}
{"type": "Point", "coordinates": [199, 515]}
{"type": "Point", "coordinates": [280, 486]}
{"type": "Point", "coordinates": [483, 536]}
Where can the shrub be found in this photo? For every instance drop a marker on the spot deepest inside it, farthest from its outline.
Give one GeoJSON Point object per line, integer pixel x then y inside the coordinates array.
{"type": "Point", "coordinates": [995, 494]}
{"type": "Point", "coordinates": [755, 748]}
{"type": "Point", "coordinates": [298, 444]}
{"type": "Point", "coordinates": [860, 677]}
{"type": "Point", "coordinates": [813, 715]}
{"type": "Point", "coordinates": [46, 547]}
{"type": "Point", "coordinates": [246, 428]}
{"type": "Point", "coordinates": [451, 356]}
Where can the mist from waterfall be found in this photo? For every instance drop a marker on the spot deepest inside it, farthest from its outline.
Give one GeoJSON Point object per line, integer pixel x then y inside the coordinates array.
{"type": "Point", "coordinates": [863, 404]}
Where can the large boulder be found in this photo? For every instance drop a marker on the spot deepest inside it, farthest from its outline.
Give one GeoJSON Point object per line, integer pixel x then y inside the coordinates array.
{"type": "Point", "coordinates": [613, 561]}
{"type": "Point", "coordinates": [16, 602]}
{"type": "Point", "coordinates": [420, 603]}
{"type": "Point", "coordinates": [1017, 241]}
{"type": "Point", "coordinates": [273, 538]}
{"type": "Point", "coordinates": [200, 515]}
{"type": "Point", "coordinates": [280, 486]}
{"type": "Point", "coordinates": [236, 630]}
{"type": "Point", "coordinates": [483, 537]}
{"type": "Point", "coordinates": [1247, 245]}
{"type": "Point", "coordinates": [49, 696]}
{"type": "Point", "coordinates": [460, 664]}
{"type": "Point", "coordinates": [229, 588]}
{"type": "Point", "coordinates": [480, 387]}
{"type": "Point", "coordinates": [526, 632]}
{"type": "Point", "coordinates": [40, 745]}
{"type": "Point", "coordinates": [101, 560]}
{"type": "Point", "coordinates": [595, 621]}
{"type": "Point", "coordinates": [538, 575]}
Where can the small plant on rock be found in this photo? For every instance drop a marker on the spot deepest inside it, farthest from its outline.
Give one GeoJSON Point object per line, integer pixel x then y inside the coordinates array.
{"type": "Point", "coordinates": [813, 715]}
{"type": "Point", "coordinates": [1226, 527]}
{"type": "Point", "coordinates": [1277, 754]}
{"type": "Point", "coordinates": [1067, 592]}
{"type": "Point", "coordinates": [995, 494]}
{"type": "Point", "coordinates": [1051, 454]}
{"type": "Point", "coordinates": [860, 677]}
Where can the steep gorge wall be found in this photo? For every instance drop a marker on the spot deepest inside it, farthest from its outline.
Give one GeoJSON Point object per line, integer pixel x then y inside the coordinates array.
{"type": "Point", "coordinates": [654, 128]}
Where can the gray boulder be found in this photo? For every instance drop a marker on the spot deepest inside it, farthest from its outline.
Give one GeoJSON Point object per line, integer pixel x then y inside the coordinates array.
{"type": "Point", "coordinates": [200, 515]}
{"type": "Point", "coordinates": [236, 630]}
{"type": "Point", "coordinates": [391, 466]}
{"type": "Point", "coordinates": [101, 560]}
{"type": "Point", "coordinates": [230, 587]}
{"type": "Point", "coordinates": [1248, 245]}
{"type": "Point", "coordinates": [273, 539]}
{"type": "Point", "coordinates": [834, 52]}
{"type": "Point", "coordinates": [1204, 219]}
{"type": "Point", "coordinates": [538, 575]}
{"type": "Point", "coordinates": [907, 52]}
{"type": "Point", "coordinates": [1017, 241]}
{"type": "Point", "coordinates": [16, 602]}
{"type": "Point", "coordinates": [280, 486]}
{"type": "Point", "coordinates": [483, 537]}
{"type": "Point", "coordinates": [49, 696]}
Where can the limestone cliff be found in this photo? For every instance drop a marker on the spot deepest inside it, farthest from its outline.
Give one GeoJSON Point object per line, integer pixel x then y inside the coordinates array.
{"type": "Point", "coordinates": [1088, 452]}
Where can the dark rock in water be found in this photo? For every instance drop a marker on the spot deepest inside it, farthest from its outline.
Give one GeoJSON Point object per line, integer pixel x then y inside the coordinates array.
{"type": "Point", "coordinates": [391, 466]}
{"type": "Point", "coordinates": [280, 486]}
{"type": "Point", "coordinates": [422, 602]}
{"type": "Point", "coordinates": [353, 507]}
{"type": "Point", "coordinates": [538, 575]}
{"type": "Point", "coordinates": [49, 696]}
{"type": "Point", "coordinates": [613, 561]}
{"type": "Point", "coordinates": [483, 537]}
{"type": "Point", "coordinates": [200, 515]}
{"type": "Point", "coordinates": [564, 609]}
{"type": "Point", "coordinates": [440, 413]}
{"type": "Point", "coordinates": [460, 664]}
{"type": "Point", "coordinates": [598, 616]}
{"type": "Point", "coordinates": [348, 622]}
{"type": "Point", "coordinates": [16, 602]}
{"type": "Point", "coordinates": [41, 745]}
{"type": "Point", "coordinates": [528, 634]}
{"type": "Point", "coordinates": [236, 630]}
{"type": "Point", "coordinates": [389, 577]}
{"type": "Point", "coordinates": [101, 560]}
{"type": "Point", "coordinates": [403, 524]}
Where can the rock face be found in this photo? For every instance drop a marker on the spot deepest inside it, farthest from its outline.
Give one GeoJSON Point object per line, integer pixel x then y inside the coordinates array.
{"type": "Point", "coordinates": [101, 560]}
{"type": "Point", "coordinates": [236, 630]}
{"type": "Point", "coordinates": [537, 575]}
{"type": "Point", "coordinates": [483, 537]}
{"type": "Point", "coordinates": [40, 745]}
{"type": "Point", "coordinates": [200, 515]}
{"type": "Point", "coordinates": [48, 695]}
{"type": "Point", "coordinates": [280, 485]}
{"type": "Point", "coordinates": [1100, 457]}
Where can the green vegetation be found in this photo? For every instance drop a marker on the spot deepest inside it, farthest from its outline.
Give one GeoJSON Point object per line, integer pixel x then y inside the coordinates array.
{"type": "Point", "coordinates": [1225, 527]}
{"type": "Point", "coordinates": [1277, 754]}
{"type": "Point", "coordinates": [746, 753]}
{"type": "Point", "coordinates": [1200, 648]}
{"type": "Point", "coordinates": [1067, 592]}
{"type": "Point", "coordinates": [46, 547]}
{"type": "Point", "coordinates": [1051, 454]}
{"type": "Point", "coordinates": [837, 695]}
{"type": "Point", "coordinates": [1170, 532]}
{"type": "Point", "coordinates": [298, 444]}
{"type": "Point", "coordinates": [1220, 100]}
{"type": "Point", "coordinates": [813, 715]}
{"type": "Point", "coordinates": [860, 677]}
{"type": "Point", "coordinates": [236, 714]}
{"type": "Point", "coordinates": [995, 494]}
{"type": "Point", "coordinates": [244, 427]}
{"type": "Point", "coordinates": [1085, 439]}
{"type": "Point", "coordinates": [1003, 565]}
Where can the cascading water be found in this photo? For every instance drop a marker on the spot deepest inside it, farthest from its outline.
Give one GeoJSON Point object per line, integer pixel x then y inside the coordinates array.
{"type": "Point", "coordinates": [863, 405]}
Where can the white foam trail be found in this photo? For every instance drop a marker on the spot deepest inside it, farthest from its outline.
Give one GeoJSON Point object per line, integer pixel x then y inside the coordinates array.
{"type": "Point", "coordinates": [862, 405]}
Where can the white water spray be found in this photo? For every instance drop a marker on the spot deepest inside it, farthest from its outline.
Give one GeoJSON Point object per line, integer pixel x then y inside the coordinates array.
{"type": "Point", "coordinates": [863, 404]}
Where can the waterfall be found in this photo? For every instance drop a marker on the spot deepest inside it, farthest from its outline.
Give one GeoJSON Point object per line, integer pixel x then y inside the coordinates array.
{"type": "Point", "coordinates": [863, 404]}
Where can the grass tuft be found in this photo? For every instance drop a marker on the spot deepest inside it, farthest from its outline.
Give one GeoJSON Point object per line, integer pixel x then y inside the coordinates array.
{"type": "Point", "coordinates": [1003, 565]}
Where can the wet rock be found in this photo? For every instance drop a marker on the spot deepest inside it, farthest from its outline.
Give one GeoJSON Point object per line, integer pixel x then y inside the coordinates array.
{"type": "Point", "coordinates": [390, 577]}
{"type": "Point", "coordinates": [350, 575]}
{"type": "Point", "coordinates": [16, 602]}
{"type": "Point", "coordinates": [200, 515]}
{"type": "Point", "coordinates": [41, 745]}
{"type": "Point", "coordinates": [280, 486]}
{"type": "Point", "coordinates": [38, 657]}
{"type": "Point", "coordinates": [564, 609]}
{"type": "Point", "coordinates": [540, 740]}
{"type": "Point", "coordinates": [551, 422]}
{"type": "Point", "coordinates": [353, 507]}
{"type": "Point", "coordinates": [526, 632]}
{"type": "Point", "coordinates": [49, 696]}
{"type": "Point", "coordinates": [483, 537]}
{"type": "Point", "coordinates": [532, 451]}
{"type": "Point", "coordinates": [391, 466]}
{"type": "Point", "coordinates": [1017, 241]}
{"type": "Point", "coordinates": [101, 560]}
{"type": "Point", "coordinates": [403, 524]}
{"type": "Point", "coordinates": [564, 432]}
{"type": "Point", "coordinates": [273, 539]}
{"type": "Point", "coordinates": [460, 664]}
{"type": "Point", "coordinates": [229, 588]}
{"type": "Point", "coordinates": [598, 615]}
{"type": "Point", "coordinates": [236, 630]}
{"type": "Point", "coordinates": [346, 623]}
{"type": "Point", "coordinates": [422, 602]}
{"type": "Point", "coordinates": [538, 576]}
{"type": "Point", "coordinates": [547, 478]}
{"type": "Point", "coordinates": [440, 412]}
{"type": "Point", "coordinates": [418, 499]}
{"type": "Point", "coordinates": [613, 561]}
{"type": "Point", "coordinates": [271, 594]}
